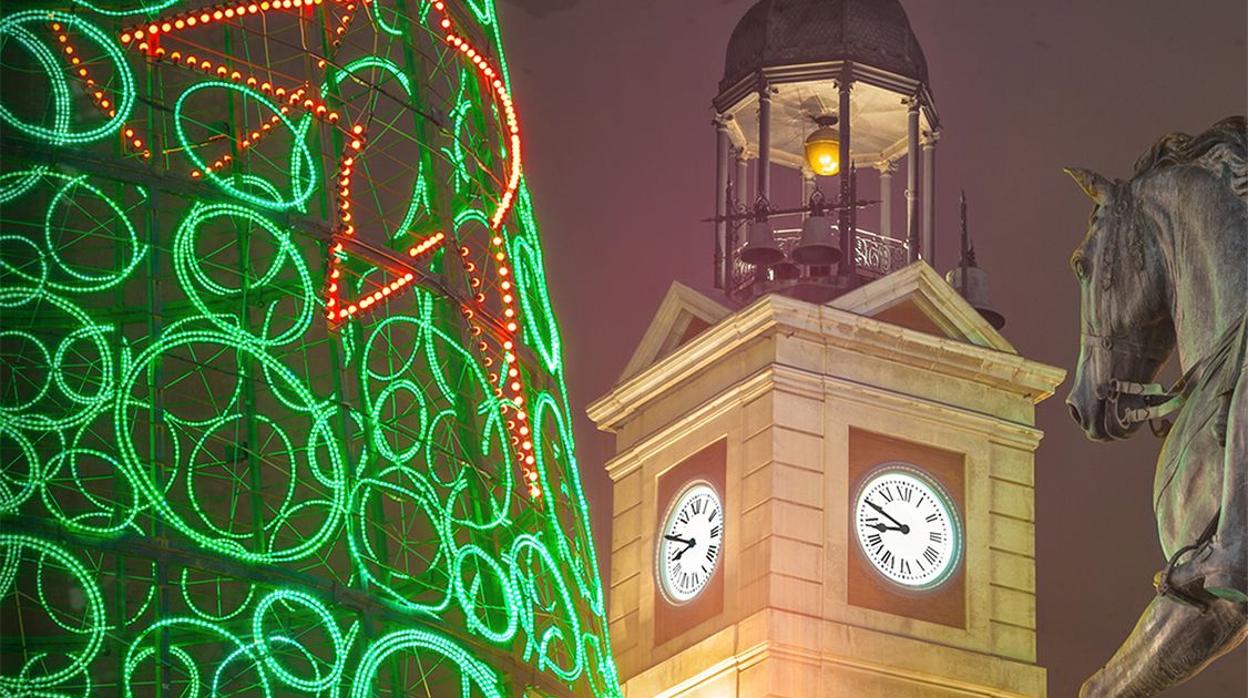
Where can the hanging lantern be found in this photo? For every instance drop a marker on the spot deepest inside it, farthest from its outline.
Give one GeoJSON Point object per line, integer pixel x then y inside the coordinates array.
{"type": "Point", "coordinates": [823, 148]}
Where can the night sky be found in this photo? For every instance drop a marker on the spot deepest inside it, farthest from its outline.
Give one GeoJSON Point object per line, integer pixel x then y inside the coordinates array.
{"type": "Point", "coordinates": [615, 102]}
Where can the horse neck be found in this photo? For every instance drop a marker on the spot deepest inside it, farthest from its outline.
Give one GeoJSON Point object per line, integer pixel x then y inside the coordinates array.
{"type": "Point", "coordinates": [1201, 231]}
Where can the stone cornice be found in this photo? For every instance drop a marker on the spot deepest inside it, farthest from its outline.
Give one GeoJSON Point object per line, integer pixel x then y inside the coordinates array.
{"type": "Point", "coordinates": [965, 671]}
{"type": "Point", "coordinates": [778, 314]}
{"type": "Point", "coordinates": [816, 386]}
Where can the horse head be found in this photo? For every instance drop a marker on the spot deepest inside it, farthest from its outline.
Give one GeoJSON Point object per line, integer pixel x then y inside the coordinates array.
{"type": "Point", "coordinates": [1125, 326]}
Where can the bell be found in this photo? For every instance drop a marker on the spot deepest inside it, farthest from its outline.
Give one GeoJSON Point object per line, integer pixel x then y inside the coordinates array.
{"type": "Point", "coordinates": [761, 248]}
{"type": "Point", "coordinates": [976, 293]}
{"type": "Point", "coordinates": [819, 244]}
{"type": "Point", "coordinates": [785, 270]}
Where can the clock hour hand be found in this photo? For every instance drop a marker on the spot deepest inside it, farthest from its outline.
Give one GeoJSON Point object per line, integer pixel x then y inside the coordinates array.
{"type": "Point", "coordinates": [901, 527]}
{"type": "Point", "coordinates": [885, 527]}
{"type": "Point", "coordinates": [689, 543]}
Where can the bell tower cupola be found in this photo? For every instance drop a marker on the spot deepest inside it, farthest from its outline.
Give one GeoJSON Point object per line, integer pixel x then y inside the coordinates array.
{"type": "Point", "coordinates": [832, 90]}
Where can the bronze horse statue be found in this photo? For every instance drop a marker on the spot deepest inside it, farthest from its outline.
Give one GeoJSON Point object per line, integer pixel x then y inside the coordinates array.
{"type": "Point", "coordinates": [1164, 267]}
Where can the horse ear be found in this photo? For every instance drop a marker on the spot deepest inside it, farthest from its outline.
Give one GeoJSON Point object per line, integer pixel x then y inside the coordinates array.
{"type": "Point", "coordinates": [1095, 186]}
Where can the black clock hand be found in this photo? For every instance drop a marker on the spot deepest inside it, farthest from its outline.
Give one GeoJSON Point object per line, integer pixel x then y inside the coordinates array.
{"type": "Point", "coordinates": [902, 527]}
{"type": "Point", "coordinates": [689, 543]}
{"type": "Point", "coordinates": [884, 527]}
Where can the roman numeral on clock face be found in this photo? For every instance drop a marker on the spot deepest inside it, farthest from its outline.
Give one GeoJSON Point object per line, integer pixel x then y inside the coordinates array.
{"type": "Point", "coordinates": [907, 526]}
{"type": "Point", "coordinates": [690, 542]}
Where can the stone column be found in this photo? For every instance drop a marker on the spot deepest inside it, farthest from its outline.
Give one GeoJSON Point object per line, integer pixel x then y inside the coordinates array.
{"type": "Point", "coordinates": [740, 189]}
{"type": "Point", "coordinates": [929, 196]}
{"type": "Point", "coordinates": [808, 188]}
{"type": "Point", "coordinates": [887, 168]}
{"type": "Point", "coordinates": [844, 220]}
{"type": "Point", "coordinates": [721, 202]}
{"type": "Point", "coordinates": [912, 178]}
{"type": "Point", "coordinates": [764, 140]}
{"type": "Point", "coordinates": [741, 180]}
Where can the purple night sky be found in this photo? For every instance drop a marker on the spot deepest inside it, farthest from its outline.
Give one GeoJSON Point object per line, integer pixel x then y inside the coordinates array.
{"type": "Point", "coordinates": [616, 96]}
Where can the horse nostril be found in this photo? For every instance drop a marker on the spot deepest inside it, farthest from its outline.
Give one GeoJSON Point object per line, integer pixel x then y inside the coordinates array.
{"type": "Point", "coordinates": [1074, 413]}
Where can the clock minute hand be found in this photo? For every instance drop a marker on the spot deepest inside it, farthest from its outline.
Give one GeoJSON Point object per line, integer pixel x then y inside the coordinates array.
{"type": "Point", "coordinates": [678, 539]}
{"type": "Point", "coordinates": [902, 527]}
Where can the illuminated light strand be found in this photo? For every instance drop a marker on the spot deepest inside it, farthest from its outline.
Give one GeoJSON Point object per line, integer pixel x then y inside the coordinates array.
{"type": "Point", "coordinates": [131, 139]}
{"type": "Point", "coordinates": [296, 97]}
{"type": "Point", "coordinates": [336, 308]}
{"type": "Point", "coordinates": [316, 107]}
{"type": "Point", "coordinates": [151, 31]}
{"type": "Point", "coordinates": [546, 577]}
{"type": "Point", "coordinates": [302, 169]}
{"type": "Point", "coordinates": [13, 26]}
{"type": "Point", "coordinates": [344, 22]}
{"type": "Point", "coordinates": [514, 387]}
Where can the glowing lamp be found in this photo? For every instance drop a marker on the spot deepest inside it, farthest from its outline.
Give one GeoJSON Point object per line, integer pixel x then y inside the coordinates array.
{"type": "Point", "coordinates": [823, 148]}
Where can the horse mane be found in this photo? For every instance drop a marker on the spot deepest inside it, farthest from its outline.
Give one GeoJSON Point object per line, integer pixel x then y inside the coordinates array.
{"type": "Point", "coordinates": [1222, 150]}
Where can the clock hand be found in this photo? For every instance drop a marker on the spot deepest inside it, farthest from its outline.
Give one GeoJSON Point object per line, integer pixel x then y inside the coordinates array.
{"type": "Point", "coordinates": [903, 528]}
{"type": "Point", "coordinates": [678, 539]}
{"type": "Point", "coordinates": [688, 546]}
{"type": "Point", "coordinates": [884, 527]}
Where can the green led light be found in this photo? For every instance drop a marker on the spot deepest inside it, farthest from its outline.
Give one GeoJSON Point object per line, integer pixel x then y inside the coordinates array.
{"type": "Point", "coordinates": [14, 26]}
{"type": "Point", "coordinates": [204, 484]}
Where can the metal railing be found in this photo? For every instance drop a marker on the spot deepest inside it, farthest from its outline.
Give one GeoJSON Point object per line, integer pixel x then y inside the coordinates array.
{"type": "Point", "coordinates": [875, 255]}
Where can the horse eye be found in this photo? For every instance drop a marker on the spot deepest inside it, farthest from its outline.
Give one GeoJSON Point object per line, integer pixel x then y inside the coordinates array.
{"type": "Point", "coordinates": [1080, 267]}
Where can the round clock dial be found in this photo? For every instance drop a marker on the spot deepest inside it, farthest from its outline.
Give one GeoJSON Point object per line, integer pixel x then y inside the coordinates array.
{"type": "Point", "coordinates": [908, 527]}
{"type": "Point", "coordinates": [690, 543]}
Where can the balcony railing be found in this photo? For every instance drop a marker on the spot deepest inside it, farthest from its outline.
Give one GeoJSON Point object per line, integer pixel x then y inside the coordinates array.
{"type": "Point", "coordinates": [875, 255]}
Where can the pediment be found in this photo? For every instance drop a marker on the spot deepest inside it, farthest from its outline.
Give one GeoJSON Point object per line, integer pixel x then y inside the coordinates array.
{"type": "Point", "coordinates": [917, 298]}
{"type": "Point", "coordinates": [682, 315]}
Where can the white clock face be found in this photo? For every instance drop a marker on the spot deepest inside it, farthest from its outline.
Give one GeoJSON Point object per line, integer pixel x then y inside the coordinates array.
{"type": "Point", "coordinates": [908, 527]}
{"type": "Point", "coordinates": [690, 543]}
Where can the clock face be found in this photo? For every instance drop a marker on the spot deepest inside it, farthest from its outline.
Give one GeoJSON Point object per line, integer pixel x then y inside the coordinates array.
{"type": "Point", "coordinates": [908, 527]}
{"type": "Point", "coordinates": [690, 543]}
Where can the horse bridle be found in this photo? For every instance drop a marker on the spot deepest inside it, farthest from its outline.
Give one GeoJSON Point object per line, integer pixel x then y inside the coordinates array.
{"type": "Point", "coordinates": [1158, 401]}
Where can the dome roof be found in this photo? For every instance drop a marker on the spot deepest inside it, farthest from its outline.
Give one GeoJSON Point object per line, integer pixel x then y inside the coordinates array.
{"type": "Point", "coordinates": [790, 32]}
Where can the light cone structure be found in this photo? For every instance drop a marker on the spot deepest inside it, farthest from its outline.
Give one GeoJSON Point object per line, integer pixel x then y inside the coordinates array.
{"type": "Point", "coordinates": [283, 393]}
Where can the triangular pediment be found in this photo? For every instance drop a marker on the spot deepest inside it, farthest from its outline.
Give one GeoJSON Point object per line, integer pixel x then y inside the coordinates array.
{"type": "Point", "coordinates": [916, 297]}
{"type": "Point", "coordinates": [682, 315]}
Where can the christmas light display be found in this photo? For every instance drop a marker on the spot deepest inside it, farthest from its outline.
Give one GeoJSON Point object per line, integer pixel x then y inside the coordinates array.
{"type": "Point", "coordinates": [282, 402]}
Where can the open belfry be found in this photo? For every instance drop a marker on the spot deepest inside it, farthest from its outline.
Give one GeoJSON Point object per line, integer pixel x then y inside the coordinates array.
{"type": "Point", "coordinates": [824, 480]}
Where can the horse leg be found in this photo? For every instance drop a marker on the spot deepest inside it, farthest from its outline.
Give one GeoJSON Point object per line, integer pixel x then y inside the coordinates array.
{"type": "Point", "coordinates": [1221, 567]}
{"type": "Point", "coordinates": [1231, 541]}
{"type": "Point", "coordinates": [1171, 643]}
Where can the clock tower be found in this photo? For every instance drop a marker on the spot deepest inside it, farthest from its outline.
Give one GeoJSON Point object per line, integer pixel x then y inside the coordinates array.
{"type": "Point", "coordinates": [825, 499]}
{"type": "Point", "coordinates": [824, 482]}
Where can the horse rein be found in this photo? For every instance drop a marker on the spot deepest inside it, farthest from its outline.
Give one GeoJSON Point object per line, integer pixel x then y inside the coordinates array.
{"type": "Point", "coordinates": [1159, 401]}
